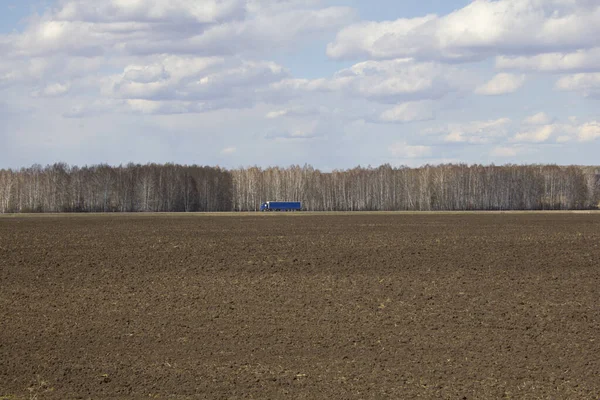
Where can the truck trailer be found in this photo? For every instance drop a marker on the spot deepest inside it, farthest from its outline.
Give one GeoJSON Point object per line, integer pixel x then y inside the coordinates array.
{"type": "Point", "coordinates": [281, 206]}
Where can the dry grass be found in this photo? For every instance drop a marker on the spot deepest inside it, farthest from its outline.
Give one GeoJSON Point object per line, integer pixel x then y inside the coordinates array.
{"type": "Point", "coordinates": [285, 214]}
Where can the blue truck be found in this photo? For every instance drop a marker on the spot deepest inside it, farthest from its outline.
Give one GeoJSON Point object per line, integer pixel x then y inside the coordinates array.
{"type": "Point", "coordinates": [281, 206]}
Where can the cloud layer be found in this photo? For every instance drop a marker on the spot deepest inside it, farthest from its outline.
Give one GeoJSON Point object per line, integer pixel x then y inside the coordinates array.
{"type": "Point", "coordinates": [301, 81]}
{"type": "Point", "coordinates": [482, 29]}
{"type": "Point", "coordinates": [501, 84]}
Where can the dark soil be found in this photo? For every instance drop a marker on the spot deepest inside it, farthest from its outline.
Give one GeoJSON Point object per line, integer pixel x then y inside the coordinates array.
{"type": "Point", "coordinates": [300, 306]}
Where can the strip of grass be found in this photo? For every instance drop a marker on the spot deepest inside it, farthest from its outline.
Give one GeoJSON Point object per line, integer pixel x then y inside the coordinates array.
{"type": "Point", "coordinates": [286, 214]}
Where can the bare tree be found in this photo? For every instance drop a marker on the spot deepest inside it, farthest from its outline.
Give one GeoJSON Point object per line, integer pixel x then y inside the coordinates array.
{"type": "Point", "coordinates": [171, 187]}
{"type": "Point", "coordinates": [7, 179]}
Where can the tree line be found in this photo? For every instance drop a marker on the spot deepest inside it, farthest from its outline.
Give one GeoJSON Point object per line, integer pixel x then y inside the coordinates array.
{"type": "Point", "coordinates": [193, 188]}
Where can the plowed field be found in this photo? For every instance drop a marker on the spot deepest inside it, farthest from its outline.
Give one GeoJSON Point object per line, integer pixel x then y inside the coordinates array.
{"type": "Point", "coordinates": [300, 306]}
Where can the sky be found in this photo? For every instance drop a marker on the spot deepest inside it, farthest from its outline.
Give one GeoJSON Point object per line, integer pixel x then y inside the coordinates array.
{"type": "Point", "coordinates": [331, 83]}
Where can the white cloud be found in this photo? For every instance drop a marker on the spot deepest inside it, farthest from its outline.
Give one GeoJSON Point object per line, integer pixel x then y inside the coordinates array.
{"type": "Point", "coordinates": [537, 135]}
{"type": "Point", "coordinates": [501, 84]}
{"type": "Point", "coordinates": [481, 29]}
{"type": "Point", "coordinates": [589, 131]}
{"type": "Point", "coordinates": [301, 111]}
{"type": "Point", "coordinates": [408, 112]}
{"type": "Point", "coordinates": [369, 39]}
{"type": "Point", "coordinates": [538, 128]}
{"type": "Point", "coordinates": [180, 11]}
{"type": "Point", "coordinates": [573, 130]}
{"type": "Point", "coordinates": [161, 107]}
{"type": "Point", "coordinates": [276, 114]}
{"type": "Point", "coordinates": [136, 106]}
{"type": "Point", "coordinates": [28, 71]}
{"type": "Point", "coordinates": [588, 84]}
{"type": "Point", "coordinates": [475, 132]}
{"type": "Point", "coordinates": [303, 125]}
{"type": "Point", "coordinates": [198, 56]}
{"type": "Point", "coordinates": [389, 81]}
{"type": "Point", "coordinates": [182, 56]}
{"type": "Point", "coordinates": [209, 27]}
{"type": "Point", "coordinates": [504, 152]}
{"type": "Point", "coordinates": [403, 150]}
{"type": "Point", "coordinates": [177, 78]}
{"type": "Point", "coordinates": [540, 118]}
{"type": "Point", "coordinates": [582, 60]}
{"type": "Point", "coordinates": [53, 90]}
{"type": "Point", "coordinates": [228, 150]}
{"type": "Point", "coordinates": [260, 33]}
{"type": "Point", "coordinates": [293, 134]}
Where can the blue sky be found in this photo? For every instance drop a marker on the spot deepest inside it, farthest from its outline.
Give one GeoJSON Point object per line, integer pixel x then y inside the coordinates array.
{"type": "Point", "coordinates": [332, 83]}
{"type": "Point", "coordinates": [15, 13]}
